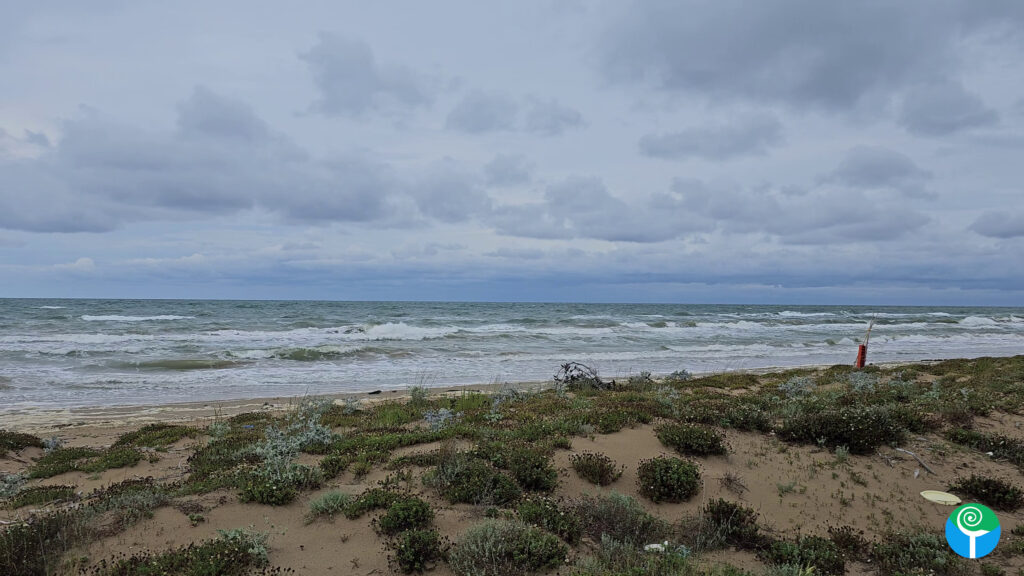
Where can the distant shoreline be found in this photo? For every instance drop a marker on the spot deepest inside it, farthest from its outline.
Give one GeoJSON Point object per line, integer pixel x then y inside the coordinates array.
{"type": "Point", "coordinates": [53, 420]}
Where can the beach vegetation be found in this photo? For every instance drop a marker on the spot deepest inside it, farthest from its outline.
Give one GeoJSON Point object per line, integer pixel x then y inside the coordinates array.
{"type": "Point", "coordinates": [83, 459]}
{"type": "Point", "coordinates": [156, 435]}
{"type": "Point", "coordinates": [727, 523]}
{"type": "Point", "coordinates": [10, 484]}
{"type": "Point", "coordinates": [851, 542]}
{"type": "Point", "coordinates": [861, 429]}
{"type": "Point", "coordinates": [691, 439]}
{"type": "Point", "coordinates": [668, 479]}
{"type": "Point", "coordinates": [614, 557]}
{"type": "Point", "coordinates": [232, 553]}
{"type": "Point", "coordinates": [370, 500]}
{"type": "Point", "coordinates": [916, 553]}
{"type": "Point", "coordinates": [531, 468]}
{"type": "Point", "coordinates": [727, 380]}
{"type": "Point", "coordinates": [417, 550]}
{"type": "Point", "coordinates": [441, 418]}
{"type": "Point", "coordinates": [619, 517]}
{"type": "Point", "coordinates": [548, 514]}
{"type": "Point", "coordinates": [505, 548]}
{"type": "Point", "coordinates": [797, 386]}
{"type": "Point", "coordinates": [678, 377]}
{"type": "Point", "coordinates": [406, 513]}
{"type": "Point", "coordinates": [998, 494]}
{"type": "Point", "coordinates": [330, 505]}
{"type": "Point", "coordinates": [37, 495]}
{"type": "Point", "coordinates": [1002, 447]}
{"type": "Point", "coordinates": [816, 552]}
{"type": "Point", "coordinates": [462, 477]}
{"type": "Point", "coordinates": [15, 441]}
{"type": "Point", "coordinates": [595, 468]}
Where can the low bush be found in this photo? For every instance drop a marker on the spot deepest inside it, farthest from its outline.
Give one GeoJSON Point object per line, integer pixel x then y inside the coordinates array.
{"type": "Point", "coordinates": [37, 495]}
{"type": "Point", "coordinates": [851, 542]}
{"type": "Point", "coordinates": [373, 499]}
{"type": "Point", "coordinates": [916, 553]}
{"type": "Point", "coordinates": [82, 459]}
{"type": "Point", "coordinates": [731, 524]}
{"type": "Point", "coordinates": [668, 479]}
{"type": "Point", "coordinates": [547, 514]}
{"type": "Point", "coordinates": [619, 517]}
{"type": "Point", "coordinates": [595, 468]}
{"type": "Point", "coordinates": [993, 492]}
{"type": "Point", "coordinates": [32, 548]}
{"type": "Point", "coordinates": [532, 469]}
{"type": "Point", "coordinates": [461, 477]}
{"type": "Point", "coordinates": [691, 439]}
{"type": "Point", "coordinates": [815, 551]}
{"type": "Point", "coordinates": [329, 504]}
{"type": "Point", "coordinates": [505, 548]}
{"type": "Point", "coordinates": [156, 435]}
{"type": "Point", "coordinates": [417, 550]}
{"type": "Point", "coordinates": [405, 514]}
{"type": "Point", "coordinates": [1003, 447]}
{"type": "Point", "coordinates": [862, 429]}
{"type": "Point", "coordinates": [233, 553]}
{"type": "Point", "coordinates": [14, 441]}
{"type": "Point", "coordinates": [614, 558]}
{"type": "Point", "coordinates": [277, 486]}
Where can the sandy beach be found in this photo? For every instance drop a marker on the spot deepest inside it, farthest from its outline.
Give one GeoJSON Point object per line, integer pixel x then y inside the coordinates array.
{"type": "Point", "coordinates": [796, 488]}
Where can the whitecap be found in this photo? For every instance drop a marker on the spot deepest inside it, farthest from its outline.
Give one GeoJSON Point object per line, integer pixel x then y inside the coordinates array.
{"type": "Point", "coordinates": [116, 318]}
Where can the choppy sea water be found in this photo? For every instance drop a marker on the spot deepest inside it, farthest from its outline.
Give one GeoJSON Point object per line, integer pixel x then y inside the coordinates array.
{"type": "Point", "coordinates": [71, 353]}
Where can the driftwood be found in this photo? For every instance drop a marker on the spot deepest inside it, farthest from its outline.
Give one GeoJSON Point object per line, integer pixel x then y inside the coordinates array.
{"type": "Point", "coordinates": [577, 376]}
{"type": "Point", "coordinates": [918, 458]}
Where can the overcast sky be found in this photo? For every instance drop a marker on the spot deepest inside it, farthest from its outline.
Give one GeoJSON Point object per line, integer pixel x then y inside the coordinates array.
{"type": "Point", "coordinates": [790, 151]}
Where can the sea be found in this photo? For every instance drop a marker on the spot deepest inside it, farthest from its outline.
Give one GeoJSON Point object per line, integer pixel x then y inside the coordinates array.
{"type": "Point", "coordinates": [57, 354]}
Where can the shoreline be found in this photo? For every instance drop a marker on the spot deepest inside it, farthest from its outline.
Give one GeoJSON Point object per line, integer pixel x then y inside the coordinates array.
{"type": "Point", "coordinates": [50, 420]}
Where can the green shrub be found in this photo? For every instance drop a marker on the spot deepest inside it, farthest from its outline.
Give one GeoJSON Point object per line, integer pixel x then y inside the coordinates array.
{"type": "Point", "coordinates": [460, 477]}
{"type": "Point", "coordinates": [14, 441]}
{"type": "Point", "coordinates": [668, 479]}
{"type": "Point", "coordinates": [1004, 447]}
{"type": "Point", "coordinates": [993, 492]}
{"type": "Point", "coordinates": [921, 553]}
{"type": "Point", "coordinates": [505, 548]}
{"type": "Point", "coordinates": [40, 495]}
{"type": "Point", "coordinates": [691, 439]}
{"type": "Point", "coordinates": [156, 435]}
{"type": "Point", "coordinates": [329, 504]}
{"type": "Point", "coordinates": [373, 499]}
{"type": "Point", "coordinates": [619, 517]}
{"type": "Point", "coordinates": [547, 514]}
{"type": "Point", "coordinates": [33, 548]}
{"type": "Point", "coordinates": [233, 553]}
{"type": "Point", "coordinates": [83, 459]}
{"type": "Point", "coordinates": [820, 553]}
{"type": "Point", "coordinates": [417, 550]}
{"type": "Point", "coordinates": [532, 469]}
{"type": "Point", "coordinates": [862, 429]}
{"type": "Point", "coordinates": [405, 514]}
{"type": "Point", "coordinates": [851, 542]}
{"type": "Point", "coordinates": [595, 468]}
{"type": "Point", "coordinates": [614, 558]}
{"type": "Point", "coordinates": [731, 524]}
{"type": "Point", "coordinates": [277, 487]}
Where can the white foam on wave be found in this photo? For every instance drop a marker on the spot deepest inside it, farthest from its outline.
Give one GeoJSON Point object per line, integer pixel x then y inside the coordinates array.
{"type": "Point", "coordinates": [117, 318]}
{"type": "Point", "coordinates": [793, 314]}
{"type": "Point", "coordinates": [977, 321]}
{"type": "Point", "coordinates": [52, 307]}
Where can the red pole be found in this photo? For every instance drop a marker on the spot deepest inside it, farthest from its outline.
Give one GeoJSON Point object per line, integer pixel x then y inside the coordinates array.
{"type": "Point", "coordinates": [862, 355]}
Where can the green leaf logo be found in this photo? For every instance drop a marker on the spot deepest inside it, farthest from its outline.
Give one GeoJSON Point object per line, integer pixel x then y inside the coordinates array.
{"type": "Point", "coordinates": [975, 519]}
